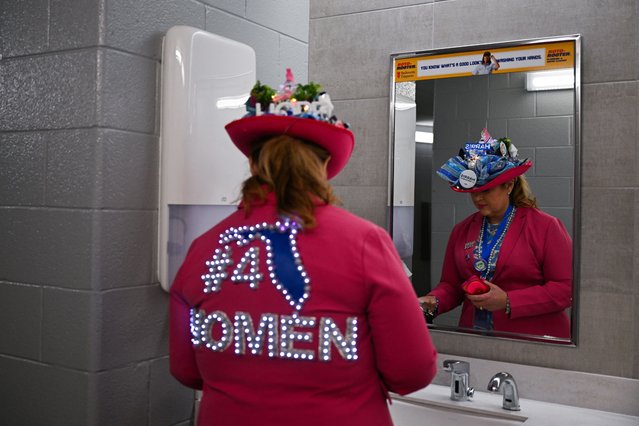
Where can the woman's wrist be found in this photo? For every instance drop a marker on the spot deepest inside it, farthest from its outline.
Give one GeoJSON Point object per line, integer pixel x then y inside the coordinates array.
{"type": "Point", "coordinates": [507, 308]}
{"type": "Point", "coordinates": [430, 307]}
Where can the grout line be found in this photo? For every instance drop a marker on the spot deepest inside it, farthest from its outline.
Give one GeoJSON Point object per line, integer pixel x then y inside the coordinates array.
{"type": "Point", "coordinates": [75, 209]}
{"type": "Point", "coordinates": [208, 7]}
{"type": "Point", "coordinates": [97, 127]}
{"type": "Point", "coordinates": [363, 12]}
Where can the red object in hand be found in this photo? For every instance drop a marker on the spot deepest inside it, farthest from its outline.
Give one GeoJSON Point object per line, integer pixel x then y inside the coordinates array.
{"type": "Point", "coordinates": [475, 285]}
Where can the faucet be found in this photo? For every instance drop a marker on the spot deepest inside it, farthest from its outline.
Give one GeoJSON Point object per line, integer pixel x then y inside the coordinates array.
{"type": "Point", "coordinates": [506, 382]}
{"type": "Point", "coordinates": [459, 379]}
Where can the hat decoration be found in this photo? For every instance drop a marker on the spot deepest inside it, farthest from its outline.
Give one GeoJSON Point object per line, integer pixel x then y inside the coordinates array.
{"type": "Point", "coordinates": [302, 111]}
{"type": "Point", "coordinates": [483, 164]}
{"type": "Point", "coordinates": [292, 99]}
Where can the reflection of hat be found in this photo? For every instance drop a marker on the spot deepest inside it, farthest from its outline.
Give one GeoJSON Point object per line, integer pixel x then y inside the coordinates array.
{"type": "Point", "coordinates": [483, 165]}
{"type": "Point", "coordinates": [300, 111]}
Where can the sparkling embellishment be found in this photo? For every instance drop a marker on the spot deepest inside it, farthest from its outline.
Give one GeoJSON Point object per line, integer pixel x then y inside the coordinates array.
{"type": "Point", "coordinates": [480, 265]}
{"type": "Point", "coordinates": [492, 258]}
{"type": "Point", "coordinates": [201, 325]}
{"type": "Point", "coordinates": [288, 336]}
{"type": "Point", "coordinates": [217, 269]}
{"type": "Point", "coordinates": [280, 333]}
{"type": "Point", "coordinates": [251, 257]}
{"type": "Point", "coordinates": [285, 268]}
{"type": "Point", "coordinates": [243, 334]}
{"type": "Point", "coordinates": [345, 344]}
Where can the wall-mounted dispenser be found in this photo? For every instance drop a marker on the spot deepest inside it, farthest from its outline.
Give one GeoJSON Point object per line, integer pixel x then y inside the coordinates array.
{"type": "Point", "coordinates": [206, 80]}
{"type": "Point", "coordinates": [404, 170]}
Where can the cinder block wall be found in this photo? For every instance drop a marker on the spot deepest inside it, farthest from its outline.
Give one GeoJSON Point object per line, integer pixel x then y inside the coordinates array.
{"type": "Point", "coordinates": [83, 321]}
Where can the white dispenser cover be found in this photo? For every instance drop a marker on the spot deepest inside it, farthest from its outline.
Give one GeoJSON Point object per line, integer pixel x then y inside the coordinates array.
{"type": "Point", "coordinates": [206, 79]}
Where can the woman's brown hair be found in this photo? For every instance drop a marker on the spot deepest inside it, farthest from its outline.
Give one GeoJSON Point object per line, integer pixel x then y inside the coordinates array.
{"type": "Point", "coordinates": [521, 194]}
{"type": "Point", "coordinates": [295, 170]}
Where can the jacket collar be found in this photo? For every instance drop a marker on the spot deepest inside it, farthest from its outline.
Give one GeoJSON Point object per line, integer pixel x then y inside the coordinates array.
{"type": "Point", "coordinates": [271, 200]}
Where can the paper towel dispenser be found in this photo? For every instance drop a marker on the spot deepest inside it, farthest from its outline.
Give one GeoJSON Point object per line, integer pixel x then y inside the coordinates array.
{"type": "Point", "coordinates": [206, 79]}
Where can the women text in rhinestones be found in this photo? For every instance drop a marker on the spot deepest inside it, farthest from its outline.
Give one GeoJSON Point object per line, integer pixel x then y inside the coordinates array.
{"type": "Point", "coordinates": [279, 338]}
{"type": "Point", "coordinates": [287, 273]}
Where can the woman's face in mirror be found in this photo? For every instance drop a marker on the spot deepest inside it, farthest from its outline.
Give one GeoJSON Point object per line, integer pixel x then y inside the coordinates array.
{"type": "Point", "coordinates": [493, 203]}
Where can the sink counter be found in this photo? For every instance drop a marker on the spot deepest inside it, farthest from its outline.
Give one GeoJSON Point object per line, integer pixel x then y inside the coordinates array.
{"type": "Point", "coordinates": [433, 403]}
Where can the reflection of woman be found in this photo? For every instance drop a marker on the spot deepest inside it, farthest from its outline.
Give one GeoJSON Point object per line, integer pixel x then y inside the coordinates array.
{"type": "Point", "coordinates": [523, 254]}
{"type": "Point", "coordinates": [488, 64]}
{"type": "Point", "coordinates": [292, 309]}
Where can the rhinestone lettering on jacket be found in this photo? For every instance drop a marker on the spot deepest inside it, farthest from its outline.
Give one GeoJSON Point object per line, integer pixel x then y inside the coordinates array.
{"type": "Point", "coordinates": [285, 268]}
{"type": "Point", "coordinates": [276, 335]}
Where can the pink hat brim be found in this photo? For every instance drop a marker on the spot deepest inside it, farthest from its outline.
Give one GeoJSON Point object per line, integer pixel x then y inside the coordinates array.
{"type": "Point", "coordinates": [502, 178]}
{"type": "Point", "coordinates": [338, 141]}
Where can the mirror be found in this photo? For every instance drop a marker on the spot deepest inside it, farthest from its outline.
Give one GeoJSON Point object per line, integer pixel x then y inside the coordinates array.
{"type": "Point", "coordinates": [443, 99]}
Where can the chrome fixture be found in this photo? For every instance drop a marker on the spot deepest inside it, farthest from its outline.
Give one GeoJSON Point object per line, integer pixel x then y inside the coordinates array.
{"type": "Point", "coordinates": [505, 382]}
{"type": "Point", "coordinates": [459, 379]}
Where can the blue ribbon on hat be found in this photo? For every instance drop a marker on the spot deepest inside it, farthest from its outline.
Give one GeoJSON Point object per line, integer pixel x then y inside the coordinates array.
{"type": "Point", "coordinates": [486, 164]}
{"type": "Point", "coordinates": [491, 166]}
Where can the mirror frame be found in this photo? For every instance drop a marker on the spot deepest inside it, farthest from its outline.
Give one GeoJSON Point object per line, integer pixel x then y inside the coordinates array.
{"type": "Point", "coordinates": [576, 216]}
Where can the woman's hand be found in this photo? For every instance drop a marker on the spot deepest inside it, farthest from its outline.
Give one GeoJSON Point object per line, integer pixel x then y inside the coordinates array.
{"type": "Point", "coordinates": [493, 300]}
{"type": "Point", "coordinates": [429, 303]}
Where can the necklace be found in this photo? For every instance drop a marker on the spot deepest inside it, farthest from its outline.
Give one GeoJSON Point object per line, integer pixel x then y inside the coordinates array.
{"type": "Point", "coordinates": [487, 265]}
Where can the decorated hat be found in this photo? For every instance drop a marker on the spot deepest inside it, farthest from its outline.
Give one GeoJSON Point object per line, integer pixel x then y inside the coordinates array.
{"type": "Point", "coordinates": [483, 165]}
{"type": "Point", "coordinates": [300, 111]}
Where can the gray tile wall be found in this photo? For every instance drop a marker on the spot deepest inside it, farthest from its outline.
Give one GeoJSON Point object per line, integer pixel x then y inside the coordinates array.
{"type": "Point", "coordinates": [350, 47]}
{"type": "Point", "coordinates": [83, 321]}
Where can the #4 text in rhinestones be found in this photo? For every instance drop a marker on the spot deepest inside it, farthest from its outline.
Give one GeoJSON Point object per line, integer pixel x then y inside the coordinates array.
{"type": "Point", "coordinates": [277, 243]}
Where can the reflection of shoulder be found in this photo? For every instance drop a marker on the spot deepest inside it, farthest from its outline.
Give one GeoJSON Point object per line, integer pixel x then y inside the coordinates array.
{"type": "Point", "coordinates": [535, 214]}
{"type": "Point", "coordinates": [538, 219]}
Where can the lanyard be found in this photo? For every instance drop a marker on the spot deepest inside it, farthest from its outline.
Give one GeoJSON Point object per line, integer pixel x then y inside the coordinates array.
{"type": "Point", "coordinates": [485, 251]}
{"type": "Point", "coordinates": [488, 246]}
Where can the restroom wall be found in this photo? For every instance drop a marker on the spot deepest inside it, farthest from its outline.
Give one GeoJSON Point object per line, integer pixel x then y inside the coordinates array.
{"type": "Point", "coordinates": [83, 320]}
{"type": "Point", "coordinates": [349, 52]}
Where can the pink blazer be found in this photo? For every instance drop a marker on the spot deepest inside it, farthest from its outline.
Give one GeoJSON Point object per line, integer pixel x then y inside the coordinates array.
{"type": "Point", "coordinates": [359, 297]}
{"type": "Point", "coordinates": [534, 267]}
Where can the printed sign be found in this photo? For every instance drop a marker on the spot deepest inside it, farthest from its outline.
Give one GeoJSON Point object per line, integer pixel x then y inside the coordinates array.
{"type": "Point", "coordinates": [536, 57]}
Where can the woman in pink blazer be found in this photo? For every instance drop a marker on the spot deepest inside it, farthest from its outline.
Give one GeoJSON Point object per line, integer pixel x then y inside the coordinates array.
{"type": "Point", "coordinates": [509, 264]}
{"type": "Point", "coordinates": [292, 310]}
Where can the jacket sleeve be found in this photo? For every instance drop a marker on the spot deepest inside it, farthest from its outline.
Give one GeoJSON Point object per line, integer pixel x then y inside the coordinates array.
{"type": "Point", "coordinates": [448, 291]}
{"type": "Point", "coordinates": [181, 352]}
{"type": "Point", "coordinates": [405, 356]}
{"type": "Point", "coordinates": [555, 260]}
